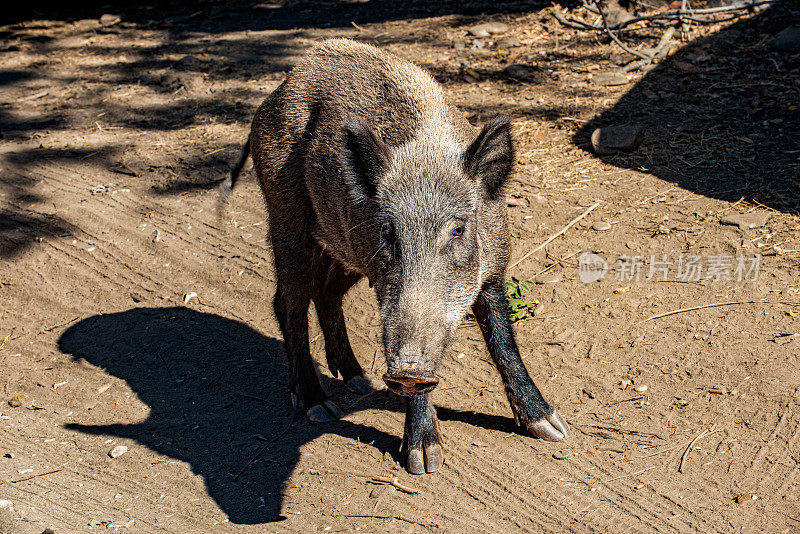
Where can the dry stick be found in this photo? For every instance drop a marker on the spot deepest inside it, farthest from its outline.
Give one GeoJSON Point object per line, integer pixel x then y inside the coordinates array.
{"type": "Point", "coordinates": [37, 475]}
{"type": "Point", "coordinates": [394, 481]}
{"type": "Point", "coordinates": [631, 475]}
{"type": "Point", "coordinates": [262, 449]}
{"type": "Point", "coordinates": [792, 518]}
{"type": "Point", "coordinates": [616, 39]}
{"type": "Point", "coordinates": [551, 238]}
{"type": "Point", "coordinates": [717, 304]}
{"type": "Point", "coordinates": [691, 443]}
{"type": "Point", "coordinates": [3, 344]}
{"type": "Point", "coordinates": [665, 15]}
{"type": "Point", "coordinates": [398, 517]}
{"type": "Point", "coordinates": [661, 451]}
{"type": "Point", "coordinates": [705, 11]}
{"type": "Point", "coordinates": [557, 262]}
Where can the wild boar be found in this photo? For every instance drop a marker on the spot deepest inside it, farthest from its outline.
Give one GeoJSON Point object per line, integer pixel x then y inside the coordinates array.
{"type": "Point", "coordinates": [366, 170]}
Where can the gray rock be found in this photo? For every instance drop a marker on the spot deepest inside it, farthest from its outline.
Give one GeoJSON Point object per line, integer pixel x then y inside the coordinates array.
{"type": "Point", "coordinates": [194, 83]}
{"type": "Point", "coordinates": [547, 278]}
{"type": "Point", "coordinates": [109, 20]}
{"type": "Point", "coordinates": [617, 15]}
{"type": "Point", "coordinates": [609, 78]}
{"type": "Point", "coordinates": [508, 42]}
{"type": "Point", "coordinates": [788, 40]}
{"type": "Point", "coordinates": [601, 226]}
{"type": "Point", "coordinates": [118, 451]}
{"type": "Point", "coordinates": [84, 24]}
{"type": "Point", "coordinates": [521, 73]}
{"type": "Point", "coordinates": [459, 45]}
{"type": "Point", "coordinates": [189, 62]}
{"type": "Point", "coordinates": [613, 139]}
{"type": "Point", "coordinates": [488, 28]}
{"type": "Point", "coordinates": [746, 221]}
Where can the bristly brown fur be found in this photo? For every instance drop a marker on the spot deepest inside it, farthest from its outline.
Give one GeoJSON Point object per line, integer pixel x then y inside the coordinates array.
{"type": "Point", "coordinates": [366, 170]}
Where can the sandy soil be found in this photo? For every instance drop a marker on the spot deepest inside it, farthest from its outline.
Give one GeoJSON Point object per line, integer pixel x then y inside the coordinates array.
{"type": "Point", "coordinates": [113, 140]}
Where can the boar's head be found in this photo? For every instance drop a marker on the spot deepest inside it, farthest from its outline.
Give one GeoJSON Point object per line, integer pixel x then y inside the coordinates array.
{"type": "Point", "coordinates": [428, 265]}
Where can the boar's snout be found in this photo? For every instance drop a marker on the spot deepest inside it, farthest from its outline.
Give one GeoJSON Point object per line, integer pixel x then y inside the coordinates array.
{"type": "Point", "coordinates": [410, 382]}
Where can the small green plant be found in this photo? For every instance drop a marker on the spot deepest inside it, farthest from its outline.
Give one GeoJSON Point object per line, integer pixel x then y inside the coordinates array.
{"type": "Point", "coordinates": [705, 216]}
{"type": "Point", "coordinates": [521, 308]}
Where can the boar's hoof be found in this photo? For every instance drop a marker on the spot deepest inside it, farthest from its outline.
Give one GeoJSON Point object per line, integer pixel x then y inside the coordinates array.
{"type": "Point", "coordinates": [363, 384]}
{"type": "Point", "coordinates": [425, 459]}
{"type": "Point", "coordinates": [322, 413]}
{"type": "Point", "coordinates": [551, 428]}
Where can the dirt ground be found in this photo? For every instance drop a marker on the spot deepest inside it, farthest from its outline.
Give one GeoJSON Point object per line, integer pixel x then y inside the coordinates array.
{"type": "Point", "coordinates": [114, 137]}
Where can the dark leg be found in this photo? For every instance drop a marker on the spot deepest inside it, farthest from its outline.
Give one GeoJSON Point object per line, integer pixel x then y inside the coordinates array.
{"type": "Point", "coordinates": [422, 440]}
{"type": "Point", "coordinates": [530, 409]}
{"type": "Point", "coordinates": [332, 284]}
{"type": "Point", "coordinates": [294, 265]}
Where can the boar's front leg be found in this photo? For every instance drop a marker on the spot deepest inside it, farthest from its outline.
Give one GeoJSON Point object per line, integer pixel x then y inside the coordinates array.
{"type": "Point", "coordinates": [530, 409]}
{"type": "Point", "coordinates": [422, 441]}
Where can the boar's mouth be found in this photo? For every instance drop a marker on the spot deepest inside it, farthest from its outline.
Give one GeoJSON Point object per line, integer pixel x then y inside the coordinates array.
{"type": "Point", "coordinates": [410, 383]}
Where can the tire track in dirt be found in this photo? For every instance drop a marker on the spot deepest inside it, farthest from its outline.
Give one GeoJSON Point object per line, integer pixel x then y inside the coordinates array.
{"type": "Point", "coordinates": [78, 182]}
{"type": "Point", "coordinates": [94, 476]}
{"type": "Point", "coordinates": [777, 455]}
{"type": "Point", "coordinates": [212, 245]}
{"type": "Point", "coordinates": [627, 501]}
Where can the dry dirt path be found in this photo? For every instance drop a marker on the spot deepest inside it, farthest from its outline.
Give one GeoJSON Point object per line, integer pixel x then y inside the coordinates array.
{"type": "Point", "coordinates": [114, 138]}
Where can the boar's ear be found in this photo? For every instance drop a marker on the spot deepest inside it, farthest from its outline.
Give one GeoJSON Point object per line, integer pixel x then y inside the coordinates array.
{"type": "Point", "coordinates": [366, 156]}
{"type": "Point", "coordinates": [491, 155]}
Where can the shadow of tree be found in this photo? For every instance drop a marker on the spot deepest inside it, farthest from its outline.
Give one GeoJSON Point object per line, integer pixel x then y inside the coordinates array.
{"type": "Point", "coordinates": [721, 117]}
{"type": "Point", "coordinates": [258, 15]}
{"type": "Point", "coordinates": [211, 383]}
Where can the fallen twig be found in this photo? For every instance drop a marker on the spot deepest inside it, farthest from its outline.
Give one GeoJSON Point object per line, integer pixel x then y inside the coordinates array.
{"type": "Point", "coordinates": [717, 304]}
{"type": "Point", "coordinates": [792, 518]}
{"type": "Point", "coordinates": [689, 446]}
{"type": "Point", "coordinates": [37, 475]}
{"type": "Point", "coordinates": [631, 475]}
{"type": "Point", "coordinates": [674, 16]}
{"type": "Point", "coordinates": [672, 448]}
{"type": "Point", "coordinates": [617, 40]}
{"type": "Point", "coordinates": [554, 236]}
{"type": "Point", "coordinates": [394, 481]}
{"type": "Point", "coordinates": [398, 517]}
{"type": "Point", "coordinates": [34, 96]}
{"type": "Point", "coordinates": [3, 344]}
{"type": "Point", "coordinates": [263, 448]}
{"type": "Point", "coordinates": [557, 262]}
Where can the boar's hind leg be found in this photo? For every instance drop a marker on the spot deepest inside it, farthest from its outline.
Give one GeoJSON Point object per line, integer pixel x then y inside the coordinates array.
{"type": "Point", "coordinates": [331, 285]}
{"type": "Point", "coordinates": [294, 255]}
{"type": "Point", "coordinates": [422, 440]}
{"type": "Point", "coordinates": [530, 409]}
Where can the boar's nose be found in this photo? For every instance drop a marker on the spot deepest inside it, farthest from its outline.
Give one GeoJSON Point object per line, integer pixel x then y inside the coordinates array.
{"type": "Point", "coordinates": [410, 383]}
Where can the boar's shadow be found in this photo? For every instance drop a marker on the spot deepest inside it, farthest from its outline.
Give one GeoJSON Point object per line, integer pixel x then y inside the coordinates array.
{"type": "Point", "coordinates": [211, 383]}
{"type": "Point", "coordinates": [721, 117]}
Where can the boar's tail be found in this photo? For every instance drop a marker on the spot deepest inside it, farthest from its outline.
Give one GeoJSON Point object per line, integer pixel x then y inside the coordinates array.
{"type": "Point", "coordinates": [227, 186]}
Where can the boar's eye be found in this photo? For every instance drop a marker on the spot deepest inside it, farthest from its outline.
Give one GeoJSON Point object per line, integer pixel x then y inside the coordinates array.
{"type": "Point", "coordinates": [458, 231]}
{"type": "Point", "coordinates": [387, 231]}
{"type": "Point", "coordinates": [389, 247]}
